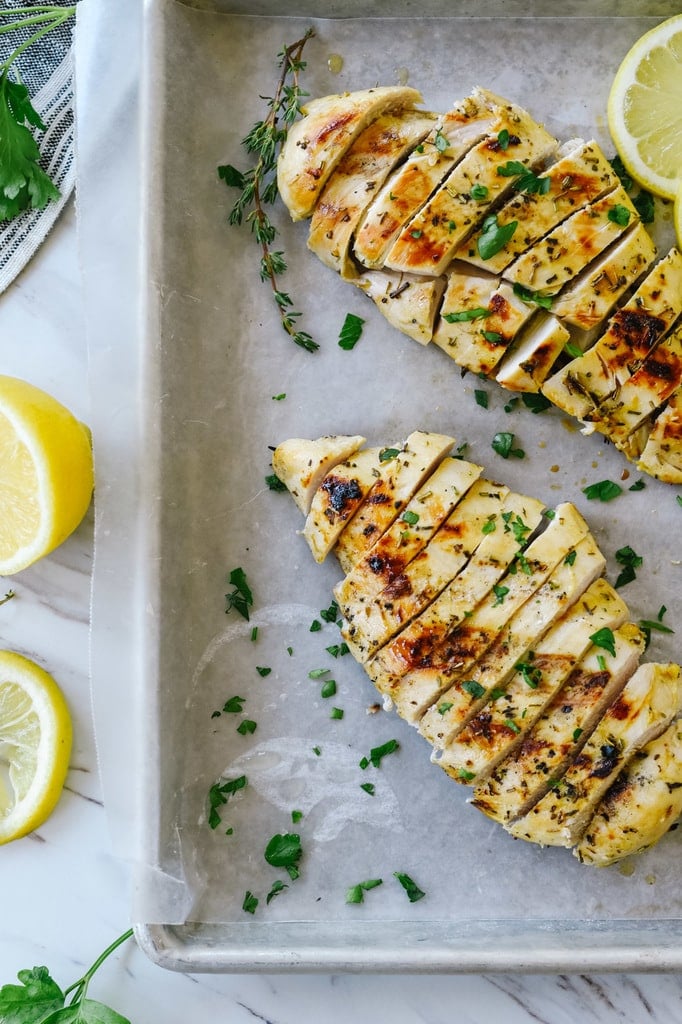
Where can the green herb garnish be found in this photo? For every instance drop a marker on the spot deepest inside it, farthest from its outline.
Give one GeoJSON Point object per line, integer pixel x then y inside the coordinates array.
{"type": "Point", "coordinates": [274, 483]}
{"type": "Point", "coordinates": [479, 192]}
{"type": "Point", "coordinates": [284, 851]}
{"type": "Point", "coordinates": [494, 236]}
{"type": "Point", "coordinates": [500, 593]}
{"type": "Point", "coordinates": [604, 490]}
{"type": "Point", "coordinates": [241, 598]}
{"type": "Point", "coordinates": [328, 688]}
{"type": "Point", "coordinates": [275, 890]}
{"type": "Point", "coordinates": [263, 670]}
{"type": "Point", "coordinates": [604, 638]}
{"type": "Point", "coordinates": [250, 902]}
{"type": "Point", "coordinates": [534, 401]}
{"type": "Point", "coordinates": [619, 214]}
{"type": "Point", "coordinates": [377, 754]}
{"type": "Point", "coordinates": [219, 794]}
{"type": "Point", "coordinates": [234, 705]}
{"type": "Point", "coordinates": [463, 315]}
{"type": "Point", "coordinates": [413, 891]}
{"type": "Point", "coordinates": [388, 453]}
{"type": "Point", "coordinates": [411, 518]}
{"type": "Point", "coordinates": [570, 557]}
{"type": "Point", "coordinates": [368, 787]}
{"type": "Point", "coordinates": [503, 444]}
{"type": "Point", "coordinates": [350, 332]}
{"type": "Point", "coordinates": [247, 727]}
{"type": "Point", "coordinates": [533, 298]}
{"type": "Point", "coordinates": [356, 893]}
{"type": "Point", "coordinates": [630, 561]}
{"type": "Point", "coordinates": [473, 688]}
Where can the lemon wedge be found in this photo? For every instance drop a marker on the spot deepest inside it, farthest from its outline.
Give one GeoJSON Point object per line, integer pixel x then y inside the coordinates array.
{"type": "Point", "coordinates": [46, 474]}
{"type": "Point", "coordinates": [645, 109]}
{"type": "Point", "coordinates": [35, 745]}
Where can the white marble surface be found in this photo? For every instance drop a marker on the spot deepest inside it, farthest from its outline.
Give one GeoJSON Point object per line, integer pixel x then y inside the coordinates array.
{"type": "Point", "coordinates": [65, 896]}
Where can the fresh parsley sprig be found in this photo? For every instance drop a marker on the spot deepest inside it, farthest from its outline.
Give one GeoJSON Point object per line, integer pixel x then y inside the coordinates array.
{"type": "Point", "coordinates": [39, 997]}
{"type": "Point", "coordinates": [258, 185]}
{"type": "Point", "coordinates": [23, 183]}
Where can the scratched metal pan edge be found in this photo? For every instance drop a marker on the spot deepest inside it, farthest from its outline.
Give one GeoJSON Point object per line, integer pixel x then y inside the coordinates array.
{"type": "Point", "coordinates": [426, 945]}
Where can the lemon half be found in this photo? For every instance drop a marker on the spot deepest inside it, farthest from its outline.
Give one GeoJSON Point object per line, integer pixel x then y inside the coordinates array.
{"type": "Point", "coordinates": [645, 109]}
{"type": "Point", "coordinates": [46, 474]}
{"type": "Point", "coordinates": [35, 745]}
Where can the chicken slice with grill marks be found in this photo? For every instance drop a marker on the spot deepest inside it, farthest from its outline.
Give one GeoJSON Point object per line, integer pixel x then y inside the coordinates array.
{"type": "Point", "coordinates": [428, 573]}
{"type": "Point", "coordinates": [337, 498]}
{"type": "Point", "coordinates": [523, 778]}
{"type": "Point", "coordinates": [412, 184]}
{"type": "Point", "coordinates": [642, 711]}
{"type": "Point", "coordinates": [302, 464]}
{"type": "Point", "coordinates": [392, 553]}
{"type": "Point", "coordinates": [452, 667]}
{"type": "Point", "coordinates": [428, 241]}
{"type": "Point", "coordinates": [317, 143]}
{"type": "Point", "coordinates": [409, 302]}
{"type": "Point", "coordinates": [581, 566]}
{"type": "Point", "coordinates": [642, 804]}
{"type": "Point", "coordinates": [581, 175]}
{"type": "Point", "coordinates": [478, 320]}
{"type": "Point", "coordinates": [632, 333]}
{"type": "Point", "coordinates": [561, 255]}
{"type": "Point", "coordinates": [662, 453]}
{"type": "Point", "coordinates": [405, 469]}
{"type": "Point", "coordinates": [502, 725]}
{"type": "Point", "coordinates": [535, 350]}
{"type": "Point", "coordinates": [591, 297]}
{"type": "Point", "coordinates": [646, 390]}
{"type": "Point", "coordinates": [394, 669]}
{"type": "Point", "coordinates": [361, 172]}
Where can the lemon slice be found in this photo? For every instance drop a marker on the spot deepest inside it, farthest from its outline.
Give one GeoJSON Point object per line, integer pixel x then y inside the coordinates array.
{"type": "Point", "coordinates": [46, 474]}
{"type": "Point", "coordinates": [645, 109]}
{"type": "Point", "coordinates": [35, 745]}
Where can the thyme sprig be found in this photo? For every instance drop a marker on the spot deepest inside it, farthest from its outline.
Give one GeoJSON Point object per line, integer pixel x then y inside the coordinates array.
{"type": "Point", "coordinates": [258, 185]}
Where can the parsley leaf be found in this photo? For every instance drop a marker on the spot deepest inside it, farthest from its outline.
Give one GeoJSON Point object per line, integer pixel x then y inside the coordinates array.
{"type": "Point", "coordinates": [219, 794]}
{"type": "Point", "coordinates": [234, 705]}
{"type": "Point", "coordinates": [241, 597]}
{"type": "Point", "coordinates": [462, 315]}
{"type": "Point", "coordinates": [494, 236]}
{"type": "Point", "coordinates": [350, 332]}
{"type": "Point", "coordinates": [619, 214]}
{"type": "Point", "coordinates": [604, 638]}
{"type": "Point", "coordinates": [535, 401]}
{"type": "Point", "coordinates": [413, 891]}
{"type": "Point", "coordinates": [503, 444]}
{"type": "Point", "coordinates": [284, 851]}
{"type": "Point", "coordinates": [356, 893]}
{"type": "Point", "coordinates": [604, 490]}
{"type": "Point", "coordinates": [250, 902]}
{"type": "Point", "coordinates": [536, 298]}
{"type": "Point", "coordinates": [247, 727]}
{"type": "Point", "coordinates": [23, 183]}
{"type": "Point", "coordinates": [277, 888]}
{"type": "Point", "coordinates": [377, 754]}
{"type": "Point", "coordinates": [473, 688]}
{"type": "Point", "coordinates": [630, 561]}
{"type": "Point", "coordinates": [481, 398]}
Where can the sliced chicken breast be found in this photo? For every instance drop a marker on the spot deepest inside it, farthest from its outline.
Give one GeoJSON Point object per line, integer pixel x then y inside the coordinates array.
{"type": "Point", "coordinates": [428, 573]}
{"type": "Point", "coordinates": [642, 711]}
{"type": "Point", "coordinates": [524, 777]}
{"type": "Point", "coordinates": [500, 727]}
{"type": "Point", "coordinates": [642, 804]}
{"type": "Point", "coordinates": [317, 143]}
{"type": "Point", "coordinates": [404, 470]}
{"type": "Point", "coordinates": [428, 241]}
{"type": "Point", "coordinates": [408, 535]}
{"type": "Point", "coordinates": [409, 302]}
{"type": "Point", "coordinates": [561, 255]}
{"type": "Point", "coordinates": [529, 361]}
{"type": "Point", "coordinates": [580, 176]}
{"type": "Point", "coordinates": [402, 669]}
{"type": "Point", "coordinates": [412, 184]}
{"type": "Point", "coordinates": [360, 174]}
{"type": "Point", "coordinates": [572, 576]}
{"type": "Point", "coordinates": [303, 464]}
{"type": "Point", "coordinates": [452, 670]}
{"type": "Point", "coordinates": [338, 497]}
{"type": "Point", "coordinates": [662, 454]}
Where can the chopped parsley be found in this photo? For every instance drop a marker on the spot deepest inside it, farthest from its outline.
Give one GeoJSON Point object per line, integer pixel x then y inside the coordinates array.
{"type": "Point", "coordinates": [280, 397]}
{"type": "Point", "coordinates": [413, 891]}
{"type": "Point", "coordinates": [489, 525]}
{"type": "Point", "coordinates": [250, 902]}
{"type": "Point", "coordinates": [247, 727]}
{"type": "Point", "coordinates": [531, 675]}
{"type": "Point", "coordinates": [619, 214]}
{"type": "Point", "coordinates": [473, 688]}
{"type": "Point", "coordinates": [534, 401]}
{"type": "Point", "coordinates": [254, 634]}
{"type": "Point", "coordinates": [503, 139]}
{"type": "Point", "coordinates": [638, 485]}
{"type": "Point", "coordinates": [481, 398]}
{"type": "Point", "coordinates": [350, 332]}
{"type": "Point", "coordinates": [388, 453]}
{"type": "Point", "coordinates": [445, 707]}
{"type": "Point", "coordinates": [466, 776]}
{"type": "Point", "coordinates": [479, 192]}
{"type": "Point", "coordinates": [527, 181]}
{"type": "Point", "coordinates": [500, 593]}
{"type": "Point", "coordinates": [654, 625]}
{"type": "Point", "coordinates": [274, 483]}
{"type": "Point", "coordinates": [441, 143]}
{"type": "Point", "coordinates": [328, 688]}
{"type": "Point", "coordinates": [494, 236]}
{"type": "Point", "coordinates": [284, 851]}
{"type": "Point", "coordinates": [336, 714]}
{"type": "Point", "coordinates": [411, 518]}
{"type": "Point", "coordinates": [604, 638]}
{"type": "Point", "coordinates": [463, 315]}
{"type": "Point", "coordinates": [219, 794]}
{"type": "Point", "coordinates": [315, 626]}
{"type": "Point", "coordinates": [368, 787]}
{"type": "Point", "coordinates": [356, 893]}
{"type": "Point", "coordinates": [503, 444]}
{"type": "Point", "coordinates": [263, 670]}
{"type": "Point", "coordinates": [577, 733]}
{"type": "Point", "coordinates": [570, 557]}
{"type": "Point", "coordinates": [603, 490]}
{"type": "Point", "coordinates": [531, 297]}
{"type": "Point", "coordinates": [234, 705]}
{"type": "Point", "coordinates": [630, 561]}
{"type": "Point", "coordinates": [241, 598]}
{"type": "Point", "coordinates": [318, 673]}
{"type": "Point", "coordinates": [296, 817]}
{"type": "Point", "coordinates": [377, 754]}
{"type": "Point", "coordinates": [573, 350]}
{"type": "Point", "coordinates": [331, 613]}
{"type": "Point", "coordinates": [277, 888]}
{"type": "Point", "coordinates": [338, 650]}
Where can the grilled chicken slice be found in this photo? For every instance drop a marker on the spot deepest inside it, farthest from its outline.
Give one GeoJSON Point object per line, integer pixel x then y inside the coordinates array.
{"type": "Point", "coordinates": [453, 667]}
{"type": "Point", "coordinates": [633, 331]}
{"type": "Point", "coordinates": [591, 297]}
{"type": "Point", "coordinates": [338, 497]}
{"type": "Point", "coordinates": [317, 143]}
{"type": "Point", "coordinates": [428, 241]}
{"type": "Point", "coordinates": [408, 301]}
{"type": "Point", "coordinates": [572, 576]}
{"type": "Point", "coordinates": [395, 549]}
{"type": "Point", "coordinates": [560, 256]}
{"type": "Point", "coordinates": [581, 175]}
{"type": "Point", "coordinates": [428, 573]}
{"type": "Point", "coordinates": [535, 350]}
{"type": "Point", "coordinates": [478, 320]}
{"type": "Point", "coordinates": [642, 711]}
{"type": "Point", "coordinates": [502, 725]}
{"type": "Point", "coordinates": [642, 805]}
{"type": "Point", "coordinates": [524, 777]}
{"type": "Point", "coordinates": [358, 176]}
{"type": "Point", "coordinates": [649, 387]}
{"type": "Point", "coordinates": [403, 472]}
{"type": "Point", "coordinates": [662, 453]}
{"type": "Point", "coordinates": [402, 669]}
{"type": "Point", "coordinates": [412, 184]}
{"type": "Point", "coordinates": [303, 464]}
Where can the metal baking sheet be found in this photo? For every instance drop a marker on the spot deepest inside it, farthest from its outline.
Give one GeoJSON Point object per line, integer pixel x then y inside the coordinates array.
{"type": "Point", "coordinates": [213, 359]}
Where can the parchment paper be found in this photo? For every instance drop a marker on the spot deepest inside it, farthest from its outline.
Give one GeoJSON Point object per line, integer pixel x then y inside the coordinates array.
{"type": "Point", "coordinates": [210, 418]}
